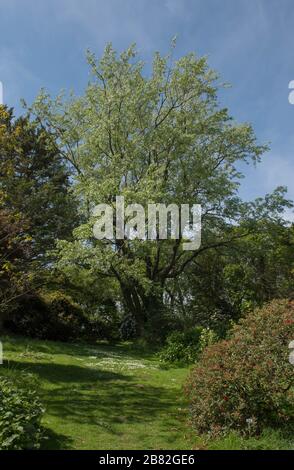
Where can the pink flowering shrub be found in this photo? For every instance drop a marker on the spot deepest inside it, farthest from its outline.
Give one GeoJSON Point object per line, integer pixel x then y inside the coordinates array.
{"type": "Point", "coordinates": [245, 382]}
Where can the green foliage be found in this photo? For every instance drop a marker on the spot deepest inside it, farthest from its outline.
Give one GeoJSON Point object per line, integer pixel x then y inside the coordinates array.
{"type": "Point", "coordinates": [34, 180]}
{"type": "Point", "coordinates": [98, 297]}
{"type": "Point", "coordinates": [35, 206]}
{"type": "Point", "coordinates": [48, 316]}
{"type": "Point", "coordinates": [161, 322]}
{"type": "Point", "coordinates": [160, 138]}
{"type": "Point", "coordinates": [207, 337]}
{"type": "Point", "coordinates": [56, 316]}
{"type": "Point", "coordinates": [268, 439]}
{"type": "Point", "coordinates": [245, 382]}
{"type": "Point", "coordinates": [20, 412]}
{"type": "Point", "coordinates": [226, 283]}
{"type": "Point", "coordinates": [185, 347]}
{"type": "Point", "coordinates": [15, 249]}
{"type": "Point", "coordinates": [66, 318]}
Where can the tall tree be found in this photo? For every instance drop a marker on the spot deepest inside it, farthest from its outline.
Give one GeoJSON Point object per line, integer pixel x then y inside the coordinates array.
{"type": "Point", "coordinates": [160, 138]}
{"type": "Point", "coordinates": [35, 206]}
{"type": "Point", "coordinates": [34, 180]}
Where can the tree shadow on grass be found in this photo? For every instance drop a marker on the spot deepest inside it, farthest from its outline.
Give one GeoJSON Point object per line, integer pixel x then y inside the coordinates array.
{"type": "Point", "coordinates": [55, 441]}
{"type": "Point", "coordinates": [112, 402]}
{"type": "Point", "coordinates": [20, 344]}
{"type": "Point", "coordinates": [65, 373]}
{"type": "Point", "coordinates": [100, 398]}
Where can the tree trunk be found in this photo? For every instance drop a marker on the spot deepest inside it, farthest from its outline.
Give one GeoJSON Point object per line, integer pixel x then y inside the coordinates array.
{"type": "Point", "coordinates": [143, 307]}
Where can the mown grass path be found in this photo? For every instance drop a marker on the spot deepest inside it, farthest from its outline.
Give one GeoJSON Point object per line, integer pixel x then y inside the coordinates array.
{"type": "Point", "coordinates": [104, 397]}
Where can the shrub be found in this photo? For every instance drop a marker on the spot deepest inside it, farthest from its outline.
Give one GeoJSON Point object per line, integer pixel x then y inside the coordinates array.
{"type": "Point", "coordinates": [56, 316]}
{"type": "Point", "coordinates": [67, 320]}
{"type": "Point", "coordinates": [20, 413]}
{"type": "Point", "coordinates": [53, 316]}
{"type": "Point", "coordinates": [184, 347]}
{"type": "Point", "coordinates": [244, 383]}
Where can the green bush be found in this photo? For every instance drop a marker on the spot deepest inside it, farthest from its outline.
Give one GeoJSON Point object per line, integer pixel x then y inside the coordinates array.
{"type": "Point", "coordinates": [245, 383]}
{"type": "Point", "coordinates": [54, 316]}
{"type": "Point", "coordinates": [185, 347]}
{"type": "Point", "coordinates": [20, 413]}
{"type": "Point", "coordinates": [67, 320]}
{"type": "Point", "coordinates": [159, 324]}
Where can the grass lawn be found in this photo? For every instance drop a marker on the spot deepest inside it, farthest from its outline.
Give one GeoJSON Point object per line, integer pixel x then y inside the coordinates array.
{"type": "Point", "coordinates": [103, 397]}
{"type": "Point", "coordinates": [114, 397]}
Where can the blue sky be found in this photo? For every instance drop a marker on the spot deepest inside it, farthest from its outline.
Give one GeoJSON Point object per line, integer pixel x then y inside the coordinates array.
{"type": "Point", "coordinates": [249, 42]}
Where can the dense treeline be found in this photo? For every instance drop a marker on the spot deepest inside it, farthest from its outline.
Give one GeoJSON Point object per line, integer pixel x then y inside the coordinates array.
{"type": "Point", "coordinates": [158, 139]}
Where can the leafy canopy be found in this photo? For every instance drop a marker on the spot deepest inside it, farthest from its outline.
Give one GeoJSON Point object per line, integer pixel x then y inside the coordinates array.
{"type": "Point", "coordinates": [157, 138]}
